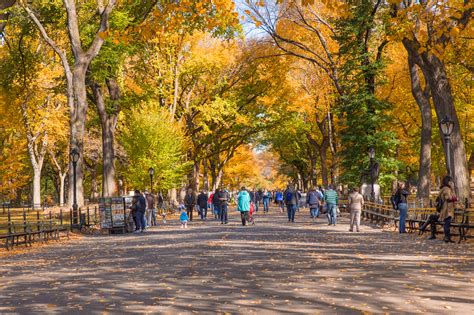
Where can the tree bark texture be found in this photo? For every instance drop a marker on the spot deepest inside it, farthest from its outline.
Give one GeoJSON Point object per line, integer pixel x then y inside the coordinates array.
{"type": "Point", "coordinates": [108, 123]}
{"type": "Point", "coordinates": [422, 98]}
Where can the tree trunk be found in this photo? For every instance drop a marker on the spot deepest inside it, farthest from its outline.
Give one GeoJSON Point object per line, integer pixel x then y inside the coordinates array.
{"type": "Point", "coordinates": [435, 73]}
{"type": "Point", "coordinates": [78, 115]}
{"type": "Point", "coordinates": [108, 123]}
{"type": "Point", "coordinates": [36, 188]}
{"type": "Point", "coordinates": [196, 168]}
{"type": "Point", "coordinates": [206, 177]}
{"type": "Point", "coordinates": [62, 179]}
{"type": "Point", "coordinates": [422, 99]}
{"type": "Point", "coordinates": [218, 179]}
{"type": "Point", "coordinates": [324, 167]}
{"type": "Point", "coordinates": [304, 181]}
{"type": "Point", "coordinates": [109, 187]}
{"type": "Point", "coordinates": [94, 189]}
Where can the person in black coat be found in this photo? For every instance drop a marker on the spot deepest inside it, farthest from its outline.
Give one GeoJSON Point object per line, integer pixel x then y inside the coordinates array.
{"type": "Point", "coordinates": [202, 204]}
{"type": "Point", "coordinates": [190, 203]}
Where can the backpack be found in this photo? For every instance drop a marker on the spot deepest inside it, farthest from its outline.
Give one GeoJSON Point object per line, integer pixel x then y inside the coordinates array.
{"type": "Point", "coordinates": [439, 202]}
{"type": "Point", "coordinates": [288, 196]}
{"type": "Point", "coordinates": [313, 198]}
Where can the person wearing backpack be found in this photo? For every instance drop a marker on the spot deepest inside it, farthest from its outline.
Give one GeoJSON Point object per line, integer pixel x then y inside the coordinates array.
{"type": "Point", "coordinates": [402, 205]}
{"type": "Point", "coordinates": [291, 200]}
{"type": "Point", "coordinates": [313, 201]}
{"type": "Point", "coordinates": [190, 203]}
{"type": "Point", "coordinates": [223, 197]}
{"type": "Point", "coordinates": [445, 203]}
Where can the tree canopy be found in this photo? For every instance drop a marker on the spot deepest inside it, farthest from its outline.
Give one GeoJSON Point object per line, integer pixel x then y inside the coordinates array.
{"type": "Point", "coordinates": [251, 93]}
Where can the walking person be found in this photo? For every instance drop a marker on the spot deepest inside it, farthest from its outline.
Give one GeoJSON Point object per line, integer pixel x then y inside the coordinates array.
{"type": "Point", "coordinates": [202, 204]}
{"type": "Point", "coordinates": [161, 207]}
{"type": "Point", "coordinates": [266, 196]}
{"type": "Point", "coordinates": [445, 205]}
{"type": "Point", "coordinates": [256, 199]}
{"type": "Point", "coordinates": [356, 202]}
{"type": "Point", "coordinates": [150, 208]}
{"type": "Point", "coordinates": [243, 205]}
{"type": "Point", "coordinates": [190, 203]}
{"type": "Point", "coordinates": [291, 200]}
{"type": "Point", "coordinates": [223, 197]}
{"type": "Point", "coordinates": [217, 205]}
{"type": "Point", "coordinates": [402, 205]}
{"type": "Point", "coordinates": [331, 199]}
{"type": "Point", "coordinates": [134, 213]}
{"type": "Point", "coordinates": [313, 201]}
{"type": "Point", "coordinates": [279, 200]}
{"type": "Point", "coordinates": [183, 218]}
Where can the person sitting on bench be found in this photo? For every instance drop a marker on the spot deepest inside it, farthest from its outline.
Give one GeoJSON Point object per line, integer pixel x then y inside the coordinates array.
{"type": "Point", "coordinates": [445, 207]}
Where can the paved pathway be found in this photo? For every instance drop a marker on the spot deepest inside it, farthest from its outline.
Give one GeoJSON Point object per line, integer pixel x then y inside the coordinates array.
{"type": "Point", "coordinates": [272, 267]}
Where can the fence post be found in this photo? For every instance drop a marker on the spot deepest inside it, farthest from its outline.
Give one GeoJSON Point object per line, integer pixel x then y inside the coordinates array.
{"type": "Point", "coordinates": [24, 220]}
{"type": "Point", "coordinates": [38, 221]}
{"type": "Point", "coordinates": [88, 216]}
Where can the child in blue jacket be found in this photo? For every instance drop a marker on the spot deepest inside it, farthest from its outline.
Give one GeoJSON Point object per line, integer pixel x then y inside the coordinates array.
{"type": "Point", "coordinates": [184, 219]}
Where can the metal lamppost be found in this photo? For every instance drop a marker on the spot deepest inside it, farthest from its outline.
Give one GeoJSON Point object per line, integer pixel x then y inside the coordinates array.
{"type": "Point", "coordinates": [74, 159]}
{"type": "Point", "coordinates": [372, 177]}
{"type": "Point", "coordinates": [151, 171]}
{"type": "Point", "coordinates": [447, 126]}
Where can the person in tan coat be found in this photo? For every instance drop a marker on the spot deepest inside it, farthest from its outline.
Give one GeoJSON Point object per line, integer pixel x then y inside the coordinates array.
{"type": "Point", "coordinates": [447, 199]}
{"type": "Point", "coordinates": [356, 202]}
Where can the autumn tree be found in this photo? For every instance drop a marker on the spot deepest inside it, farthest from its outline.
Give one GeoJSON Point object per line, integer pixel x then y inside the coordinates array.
{"type": "Point", "coordinates": [428, 29]}
{"type": "Point", "coordinates": [31, 78]}
{"type": "Point", "coordinates": [84, 45]}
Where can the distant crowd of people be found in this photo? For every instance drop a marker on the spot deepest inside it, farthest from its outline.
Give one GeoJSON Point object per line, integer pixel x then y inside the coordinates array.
{"type": "Point", "coordinates": [248, 202]}
{"type": "Point", "coordinates": [318, 200]}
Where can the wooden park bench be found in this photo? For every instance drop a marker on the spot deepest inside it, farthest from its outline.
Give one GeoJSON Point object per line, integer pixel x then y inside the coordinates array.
{"type": "Point", "coordinates": [462, 221]}
{"type": "Point", "coordinates": [378, 213]}
{"type": "Point", "coordinates": [26, 227]}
